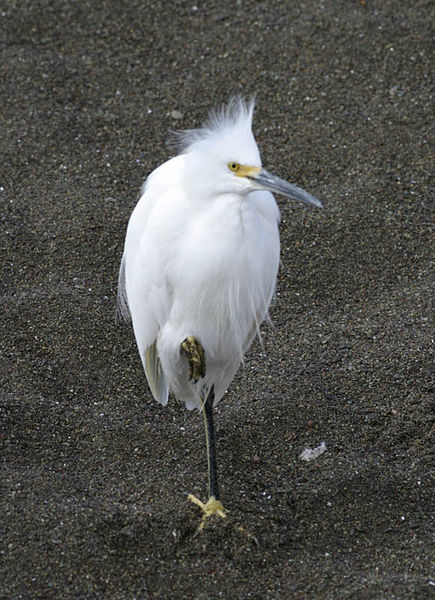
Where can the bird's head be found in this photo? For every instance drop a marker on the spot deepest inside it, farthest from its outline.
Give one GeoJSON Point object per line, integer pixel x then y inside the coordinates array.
{"type": "Point", "coordinates": [222, 157]}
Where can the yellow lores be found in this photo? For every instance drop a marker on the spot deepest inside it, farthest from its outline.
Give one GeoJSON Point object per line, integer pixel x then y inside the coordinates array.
{"type": "Point", "coordinates": [243, 170]}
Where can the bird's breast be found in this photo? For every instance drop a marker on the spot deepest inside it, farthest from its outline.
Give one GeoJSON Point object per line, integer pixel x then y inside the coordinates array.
{"type": "Point", "coordinates": [218, 245]}
{"type": "Point", "coordinates": [224, 274]}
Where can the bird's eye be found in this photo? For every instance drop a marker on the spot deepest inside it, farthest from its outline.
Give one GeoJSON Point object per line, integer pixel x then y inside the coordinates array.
{"type": "Point", "coordinates": [233, 166]}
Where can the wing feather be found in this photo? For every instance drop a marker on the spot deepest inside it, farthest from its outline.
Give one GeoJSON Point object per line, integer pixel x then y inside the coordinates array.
{"type": "Point", "coordinates": [122, 310]}
{"type": "Point", "coordinates": [155, 376]}
{"type": "Point", "coordinates": [143, 293]}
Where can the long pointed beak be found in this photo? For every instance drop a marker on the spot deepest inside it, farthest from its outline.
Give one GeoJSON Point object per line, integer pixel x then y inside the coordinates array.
{"type": "Point", "coordinates": [266, 181]}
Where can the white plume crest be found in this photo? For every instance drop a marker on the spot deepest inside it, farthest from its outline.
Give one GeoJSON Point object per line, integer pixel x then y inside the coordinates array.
{"type": "Point", "coordinates": [236, 114]}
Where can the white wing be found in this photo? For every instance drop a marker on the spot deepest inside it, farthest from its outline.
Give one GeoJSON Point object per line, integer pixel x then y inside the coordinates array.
{"type": "Point", "coordinates": [143, 291]}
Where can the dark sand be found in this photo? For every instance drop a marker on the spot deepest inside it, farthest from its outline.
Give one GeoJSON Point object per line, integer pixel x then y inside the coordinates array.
{"type": "Point", "coordinates": [94, 472]}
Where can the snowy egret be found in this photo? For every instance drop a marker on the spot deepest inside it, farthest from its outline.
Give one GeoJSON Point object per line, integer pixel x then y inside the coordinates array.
{"type": "Point", "coordinates": [200, 264]}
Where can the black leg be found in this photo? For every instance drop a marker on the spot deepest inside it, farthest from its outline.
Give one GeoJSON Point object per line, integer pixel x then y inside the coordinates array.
{"type": "Point", "coordinates": [211, 446]}
{"type": "Point", "coordinates": [213, 506]}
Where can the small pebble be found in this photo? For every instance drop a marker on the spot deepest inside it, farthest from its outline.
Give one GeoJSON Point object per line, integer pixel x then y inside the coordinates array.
{"type": "Point", "coordinates": [176, 114]}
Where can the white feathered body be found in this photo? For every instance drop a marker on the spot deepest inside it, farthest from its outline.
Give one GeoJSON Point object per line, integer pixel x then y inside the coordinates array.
{"type": "Point", "coordinates": [197, 267]}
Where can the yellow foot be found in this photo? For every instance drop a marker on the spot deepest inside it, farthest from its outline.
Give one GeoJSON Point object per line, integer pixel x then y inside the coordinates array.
{"type": "Point", "coordinates": [212, 507]}
{"type": "Point", "coordinates": [195, 355]}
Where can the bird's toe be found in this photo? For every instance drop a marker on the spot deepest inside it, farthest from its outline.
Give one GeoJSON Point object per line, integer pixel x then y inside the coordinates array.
{"type": "Point", "coordinates": [210, 508]}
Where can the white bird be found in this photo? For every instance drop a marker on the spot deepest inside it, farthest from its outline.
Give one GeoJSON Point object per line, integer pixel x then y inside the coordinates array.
{"type": "Point", "coordinates": [200, 264]}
